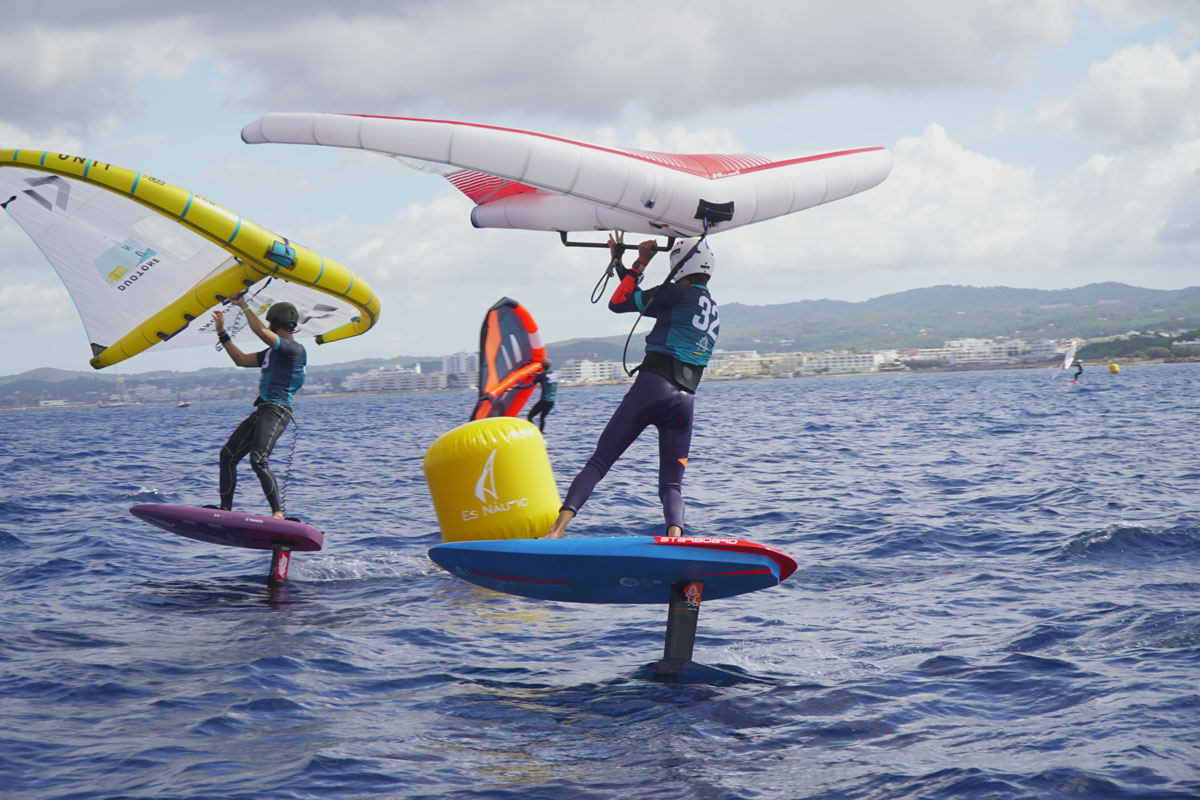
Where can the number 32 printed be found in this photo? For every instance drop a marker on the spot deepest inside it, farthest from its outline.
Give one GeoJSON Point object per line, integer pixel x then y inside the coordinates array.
{"type": "Point", "coordinates": [709, 309]}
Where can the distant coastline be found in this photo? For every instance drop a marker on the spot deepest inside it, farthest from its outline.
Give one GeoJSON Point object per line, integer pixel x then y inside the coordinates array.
{"type": "Point", "coordinates": [940, 328]}
{"type": "Point", "coordinates": [1095, 365]}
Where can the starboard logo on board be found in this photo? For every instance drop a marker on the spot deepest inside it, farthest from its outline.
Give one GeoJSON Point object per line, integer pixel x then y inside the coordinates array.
{"type": "Point", "coordinates": [695, 540]}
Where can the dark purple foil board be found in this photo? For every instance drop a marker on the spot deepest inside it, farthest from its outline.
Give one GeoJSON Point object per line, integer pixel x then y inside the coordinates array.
{"type": "Point", "coordinates": [231, 528]}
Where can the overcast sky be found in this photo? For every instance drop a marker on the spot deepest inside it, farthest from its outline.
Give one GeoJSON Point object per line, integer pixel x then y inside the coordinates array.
{"type": "Point", "coordinates": [1041, 144]}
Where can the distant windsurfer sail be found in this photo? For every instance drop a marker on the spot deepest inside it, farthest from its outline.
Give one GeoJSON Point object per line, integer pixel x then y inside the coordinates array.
{"type": "Point", "coordinates": [143, 260]}
{"type": "Point", "coordinates": [532, 181]}
{"type": "Point", "coordinates": [1068, 359]}
{"type": "Point", "coordinates": [511, 353]}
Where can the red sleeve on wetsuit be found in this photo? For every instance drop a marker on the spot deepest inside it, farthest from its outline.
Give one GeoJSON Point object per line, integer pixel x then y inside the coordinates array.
{"type": "Point", "coordinates": [624, 298]}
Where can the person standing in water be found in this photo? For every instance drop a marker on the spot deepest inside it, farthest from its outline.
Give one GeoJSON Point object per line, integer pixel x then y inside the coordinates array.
{"type": "Point", "coordinates": [663, 394]}
{"type": "Point", "coordinates": [282, 364]}
{"type": "Point", "coordinates": [549, 383]}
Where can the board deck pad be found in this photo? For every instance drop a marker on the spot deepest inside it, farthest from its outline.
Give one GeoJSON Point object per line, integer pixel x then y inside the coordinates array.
{"type": "Point", "coordinates": [614, 569]}
{"type": "Point", "coordinates": [231, 528]}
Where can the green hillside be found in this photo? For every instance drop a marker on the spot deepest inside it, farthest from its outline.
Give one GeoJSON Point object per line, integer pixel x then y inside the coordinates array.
{"type": "Point", "coordinates": [927, 317]}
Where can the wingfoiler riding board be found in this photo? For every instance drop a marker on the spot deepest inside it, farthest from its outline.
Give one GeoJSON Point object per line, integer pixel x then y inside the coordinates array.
{"type": "Point", "coordinates": [1068, 359]}
{"type": "Point", "coordinates": [236, 529]}
{"type": "Point", "coordinates": [143, 260]}
{"type": "Point", "coordinates": [623, 569]}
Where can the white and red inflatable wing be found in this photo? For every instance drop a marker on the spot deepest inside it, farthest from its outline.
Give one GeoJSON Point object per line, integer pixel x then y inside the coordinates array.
{"type": "Point", "coordinates": [533, 181]}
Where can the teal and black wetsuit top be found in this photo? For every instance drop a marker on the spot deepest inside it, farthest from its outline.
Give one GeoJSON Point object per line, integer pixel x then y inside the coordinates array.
{"type": "Point", "coordinates": [685, 330]}
{"type": "Point", "coordinates": [549, 384]}
{"type": "Point", "coordinates": [282, 372]}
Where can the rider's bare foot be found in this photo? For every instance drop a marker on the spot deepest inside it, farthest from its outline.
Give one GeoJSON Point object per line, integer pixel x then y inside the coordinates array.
{"type": "Point", "coordinates": [559, 528]}
{"type": "Point", "coordinates": [277, 515]}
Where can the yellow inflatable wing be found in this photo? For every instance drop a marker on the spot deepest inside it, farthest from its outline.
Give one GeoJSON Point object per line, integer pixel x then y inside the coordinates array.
{"type": "Point", "coordinates": [143, 259]}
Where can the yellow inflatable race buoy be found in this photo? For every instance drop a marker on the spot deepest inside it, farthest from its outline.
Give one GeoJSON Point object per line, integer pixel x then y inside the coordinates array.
{"type": "Point", "coordinates": [491, 479]}
{"type": "Point", "coordinates": [1114, 369]}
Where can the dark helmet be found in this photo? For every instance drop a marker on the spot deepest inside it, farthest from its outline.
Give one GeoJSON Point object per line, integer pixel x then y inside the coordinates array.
{"type": "Point", "coordinates": [283, 315]}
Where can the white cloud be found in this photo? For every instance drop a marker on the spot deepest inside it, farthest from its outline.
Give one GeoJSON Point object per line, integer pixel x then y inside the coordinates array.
{"type": "Point", "coordinates": [1127, 212]}
{"type": "Point", "coordinates": [83, 79]}
{"type": "Point", "coordinates": [679, 139]}
{"type": "Point", "coordinates": [36, 309]}
{"type": "Point", "coordinates": [1133, 13]}
{"type": "Point", "coordinates": [1142, 94]}
{"type": "Point", "coordinates": [566, 59]}
{"type": "Point", "coordinates": [951, 215]}
{"type": "Point", "coordinates": [436, 275]}
{"type": "Point", "coordinates": [943, 212]}
{"type": "Point", "coordinates": [54, 138]}
{"type": "Point", "coordinates": [574, 60]}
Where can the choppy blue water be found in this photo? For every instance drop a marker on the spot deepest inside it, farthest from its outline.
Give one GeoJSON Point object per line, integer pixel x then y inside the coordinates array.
{"type": "Point", "coordinates": [998, 597]}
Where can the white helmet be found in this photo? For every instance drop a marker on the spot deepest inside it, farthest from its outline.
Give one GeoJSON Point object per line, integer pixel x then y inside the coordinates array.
{"type": "Point", "coordinates": [691, 257]}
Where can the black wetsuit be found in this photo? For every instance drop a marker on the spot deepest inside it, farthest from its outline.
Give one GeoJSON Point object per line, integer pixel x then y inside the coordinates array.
{"type": "Point", "coordinates": [549, 384]}
{"type": "Point", "coordinates": [282, 375]}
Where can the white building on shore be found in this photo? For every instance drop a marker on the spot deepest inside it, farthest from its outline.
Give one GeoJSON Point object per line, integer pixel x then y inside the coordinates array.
{"type": "Point", "coordinates": [928, 354]}
{"type": "Point", "coordinates": [395, 379]}
{"type": "Point", "coordinates": [584, 370]}
{"type": "Point", "coordinates": [735, 364]}
{"type": "Point", "coordinates": [842, 361]}
{"type": "Point", "coordinates": [999, 351]}
{"type": "Point", "coordinates": [461, 362]}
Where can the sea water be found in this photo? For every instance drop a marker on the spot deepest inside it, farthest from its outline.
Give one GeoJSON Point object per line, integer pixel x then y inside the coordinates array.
{"type": "Point", "coordinates": [998, 597]}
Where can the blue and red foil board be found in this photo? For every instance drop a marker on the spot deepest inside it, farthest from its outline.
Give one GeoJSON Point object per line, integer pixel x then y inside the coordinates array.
{"type": "Point", "coordinates": [232, 528]}
{"type": "Point", "coordinates": [614, 569]}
